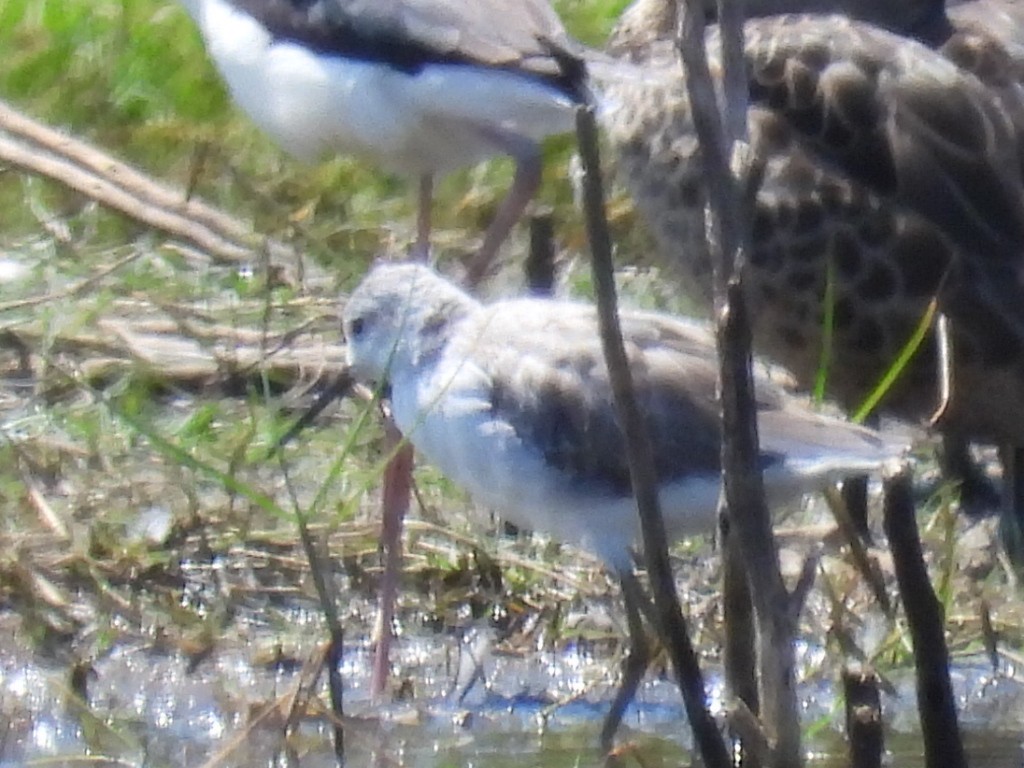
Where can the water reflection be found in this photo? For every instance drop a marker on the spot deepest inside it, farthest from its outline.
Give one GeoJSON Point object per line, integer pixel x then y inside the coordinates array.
{"type": "Point", "coordinates": [152, 708]}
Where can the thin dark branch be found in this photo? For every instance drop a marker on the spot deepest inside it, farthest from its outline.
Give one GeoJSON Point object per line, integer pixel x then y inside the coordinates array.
{"type": "Point", "coordinates": [729, 233]}
{"type": "Point", "coordinates": [336, 646]}
{"type": "Point", "coordinates": [936, 705]}
{"type": "Point", "coordinates": [863, 718]}
{"type": "Point", "coordinates": [739, 656]}
{"type": "Point", "coordinates": [672, 625]}
{"type": "Point", "coordinates": [731, 17]}
{"type": "Point", "coordinates": [336, 390]}
{"type": "Point", "coordinates": [862, 559]}
{"type": "Point", "coordinates": [540, 261]}
{"type": "Point", "coordinates": [707, 123]}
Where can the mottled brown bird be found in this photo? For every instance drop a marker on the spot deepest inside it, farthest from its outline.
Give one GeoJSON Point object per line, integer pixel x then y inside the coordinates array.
{"type": "Point", "coordinates": [892, 175]}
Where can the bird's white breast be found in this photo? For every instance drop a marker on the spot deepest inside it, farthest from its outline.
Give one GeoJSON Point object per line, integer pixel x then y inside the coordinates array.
{"type": "Point", "coordinates": [448, 415]}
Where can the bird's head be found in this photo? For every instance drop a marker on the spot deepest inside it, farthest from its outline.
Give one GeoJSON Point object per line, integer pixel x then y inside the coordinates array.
{"type": "Point", "coordinates": [397, 318]}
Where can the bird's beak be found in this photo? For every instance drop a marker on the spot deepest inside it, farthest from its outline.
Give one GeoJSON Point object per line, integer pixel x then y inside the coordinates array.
{"type": "Point", "coordinates": [341, 387]}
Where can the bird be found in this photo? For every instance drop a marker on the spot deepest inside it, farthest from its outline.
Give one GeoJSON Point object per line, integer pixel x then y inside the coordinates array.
{"type": "Point", "coordinates": [511, 400]}
{"type": "Point", "coordinates": [892, 177]}
{"type": "Point", "coordinates": [419, 87]}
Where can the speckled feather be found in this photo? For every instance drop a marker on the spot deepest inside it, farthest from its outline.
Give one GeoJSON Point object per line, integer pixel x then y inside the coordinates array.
{"type": "Point", "coordinates": [888, 160]}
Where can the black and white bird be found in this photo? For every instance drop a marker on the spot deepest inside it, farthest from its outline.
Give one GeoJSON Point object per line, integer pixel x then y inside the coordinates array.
{"type": "Point", "coordinates": [512, 401]}
{"type": "Point", "coordinates": [419, 87]}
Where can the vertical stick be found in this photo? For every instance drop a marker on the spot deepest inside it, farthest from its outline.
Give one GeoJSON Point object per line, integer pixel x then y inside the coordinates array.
{"type": "Point", "coordinates": [540, 261]}
{"type": "Point", "coordinates": [740, 658]}
{"type": "Point", "coordinates": [672, 625]}
{"type": "Point", "coordinates": [729, 233]}
{"type": "Point", "coordinates": [943, 747]}
{"type": "Point", "coordinates": [863, 718]}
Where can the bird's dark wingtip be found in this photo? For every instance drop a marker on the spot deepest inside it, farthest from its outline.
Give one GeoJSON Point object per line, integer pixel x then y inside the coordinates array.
{"type": "Point", "coordinates": [572, 69]}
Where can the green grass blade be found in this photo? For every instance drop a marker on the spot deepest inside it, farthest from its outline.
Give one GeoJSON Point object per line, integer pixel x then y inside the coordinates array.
{"type": "Point", "coordinates": [899, 364]}
{"type": "Point", "coordinates": [185, 459]}
{"type": "Point", "coordinates": [827, 333]}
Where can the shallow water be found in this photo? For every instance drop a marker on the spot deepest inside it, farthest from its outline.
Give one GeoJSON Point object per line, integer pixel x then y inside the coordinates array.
{"type": "Point", "coordinates": [150, 707]}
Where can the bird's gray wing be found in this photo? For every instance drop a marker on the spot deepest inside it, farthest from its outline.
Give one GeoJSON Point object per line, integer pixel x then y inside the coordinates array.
{"type": "Point", "coordinates": [803, 436]}
{"type": "Point", "coordinates": [549, 382]}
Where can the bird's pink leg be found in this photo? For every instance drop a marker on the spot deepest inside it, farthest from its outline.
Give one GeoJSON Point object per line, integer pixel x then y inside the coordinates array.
{"type": "Point", "coordinates": [396, 493]}
{"type": "Point", "coordinates": [421, 250]}
{"type": "Point", "coordinates": [525, 183]}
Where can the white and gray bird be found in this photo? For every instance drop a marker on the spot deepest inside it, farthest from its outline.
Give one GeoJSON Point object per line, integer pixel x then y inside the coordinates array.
{"type": "Point", "coordinates": [512, 401]}
{"type": "Point", "coordinates": [418, 87]}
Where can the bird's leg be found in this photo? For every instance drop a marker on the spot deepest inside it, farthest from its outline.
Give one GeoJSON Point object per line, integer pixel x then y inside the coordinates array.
{"type": "Point", "coordinates": [525, 183]}
{"type": "Point", "coordinates": [635, 665]}
{"type": "Point", "coordinates": [397, 482]}
{"type": "Point", "coordinates": [854, 491]}
{"type": "Point", "coordinates": [978, 496]}
{"type": "Point", "coordinates": [421, 250]}
{"type": "Point", "coordinates": [1011, 517]}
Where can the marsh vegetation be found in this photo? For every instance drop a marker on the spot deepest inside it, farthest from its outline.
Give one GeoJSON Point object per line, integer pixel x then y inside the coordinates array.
{"type": "Point", "coordinates": [156, 606]}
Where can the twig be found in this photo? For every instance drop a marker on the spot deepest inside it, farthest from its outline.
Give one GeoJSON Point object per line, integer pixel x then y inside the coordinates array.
{"type": "Point", "coordinates": [989, 636]}
{"type": "Point", "coordinates": [728, 229]}
{"type": "Point", "coordinates": [95, 161]}
{"type": "Point", "coordinates": [540, 262]}
{"type": "Point", "coordinates": [757, 749]}
{"type": "Point", "coordinates": [943, 746]}
{"type": "Point", "coordinates": [863, 718]}
{"type": "Point", "coordinates": [188, 355]}
{"type": "Point", "coordinates": [297, 703]}
{"type": "Point", "coordinates": [639, 455]}
{"type": "Point", "coordinates": [38, 149]}
{"type": "Point", "coordinates": [269, 713]}
{"type": "Point", "coordinates": [47, 514]}
{"type": "Point", "coordinates": [77, 289]}
{"type": "Point", "coordinates": [862, 560]}
{"type": "Point", "coordinates": [740, 658]}
{"type": "Point", "coordinates": [571, 586]}
{"type": "Point", "coordinates": [854, 494]}
{"type": "Point", "coordinates": [336, 646]}
{"type": "Point", "coordinates": [336, 390]}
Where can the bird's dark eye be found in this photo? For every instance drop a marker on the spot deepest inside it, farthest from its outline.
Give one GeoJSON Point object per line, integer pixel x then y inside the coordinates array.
{"type": "Point", "coordinates": [356, 327]}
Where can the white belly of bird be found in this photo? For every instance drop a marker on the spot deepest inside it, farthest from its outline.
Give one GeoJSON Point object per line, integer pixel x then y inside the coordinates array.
{"type": "Point", "coordinates": [448, 415]}
{"type": "Point", "coordinates": [455, 429]}
{"type": "Point", "coordinates": [440, 118]}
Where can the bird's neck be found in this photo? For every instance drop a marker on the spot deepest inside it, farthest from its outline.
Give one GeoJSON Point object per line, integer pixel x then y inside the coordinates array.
{"type": "Point", "coordinates": [434, 328]}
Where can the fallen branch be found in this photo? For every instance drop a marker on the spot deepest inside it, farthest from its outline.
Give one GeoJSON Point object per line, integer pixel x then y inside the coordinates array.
{"type": "Point", "coordinates": [36, 148]}
{"type": "Point", "coordinates": [221, 357]}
